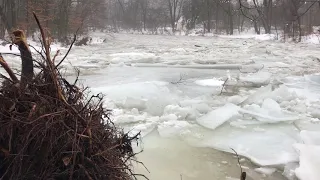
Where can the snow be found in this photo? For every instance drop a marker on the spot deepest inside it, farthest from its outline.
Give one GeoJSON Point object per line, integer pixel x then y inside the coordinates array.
{"type": "Point", "coordinates": [262, 37]}
{"type": "Point", "coordinates": [312, 39]}
{"type": "Point", "coordinates": [209, 82]}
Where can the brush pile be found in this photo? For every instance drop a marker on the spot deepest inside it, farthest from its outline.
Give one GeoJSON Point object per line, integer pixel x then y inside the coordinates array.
{"type": "Point", "coordinates": [52, 129]}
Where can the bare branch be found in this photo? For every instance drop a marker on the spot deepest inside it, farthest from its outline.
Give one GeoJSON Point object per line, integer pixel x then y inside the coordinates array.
{"type": "Point", "coordinates": [243, 175]}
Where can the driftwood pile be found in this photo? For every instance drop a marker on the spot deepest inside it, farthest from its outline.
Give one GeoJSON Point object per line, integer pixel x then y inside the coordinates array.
{"type": "Point", "coordinates": [52, 129]}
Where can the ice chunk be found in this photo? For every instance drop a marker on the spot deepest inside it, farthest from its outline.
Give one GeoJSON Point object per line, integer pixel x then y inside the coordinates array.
{"type": "Point", "coordinates": [315, 113]}
{"type": "Point", "coordinates": [153, 96]}
{"type": "Point", "coordinates": [283, 93]}
{"type": "Point", "coordinates": [309, 162]}
{"type": "Point", "coordinates": [231, 178]}
{"type": "Point", "coordinates": [137, 90]}
{"type": "Point", "coordinates": [269, 148]}
{"type": "Point", "coordinates": [259, 95]}
{"type": "Point", "coordinates": [153, 119]}
{"type": "Point", "coordinates": [280, 94]}
{"type": "Point", "coordinates": [260, 78]}
{"type": "Point", "coordinates": [289, 171]}
{"type": "Point", "coordinates": [133, 57]}
{"type": "Point", "coordinates": [271, 105]}
{"type": "Point", "coordinates": [126, 118]}
{"type": "Point", "coordinates": [209, 82]}
{"type": "Point", "coordinates": [236, 99]}
{"type": "Point", "coordinates": [131, 102]}
{"type": "Point", "coordinates": [135, 111]}
{"type": "Point", "coordinates": [144, 129]}
{"type": "Point", "coordinates": [190, 102]}
{"type": "Point", "coordinates": [173, 128]}
{"type": "Point", "coordinates": [202, 108]}
{"type": "Point", "coordinates": [299, 108]}
{"type": "Point", "coordinates": [269, 112]}
{"type": "Point", "coordinates": [217, 117]}
{"type": "Point", "coordinates": [180, 112]}
{"type": "Point", "coordinates": [266, 171]}
{"type": "Point", "coordinates": [169, 117]}
{"type": "Point", "coordinates": [310, 137]}
{"type": "Point", "coordinates": [156, 105]}
{"type": "Point", "coordinates": [244, 123]}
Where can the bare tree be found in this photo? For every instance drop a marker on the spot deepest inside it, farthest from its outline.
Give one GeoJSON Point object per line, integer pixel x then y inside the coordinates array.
{"type": "Point", "coordinates": [175, 9]}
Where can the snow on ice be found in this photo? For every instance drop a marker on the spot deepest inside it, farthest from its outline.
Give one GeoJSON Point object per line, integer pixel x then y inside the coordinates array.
{"type": "Point", "coordinates": [209, 82]}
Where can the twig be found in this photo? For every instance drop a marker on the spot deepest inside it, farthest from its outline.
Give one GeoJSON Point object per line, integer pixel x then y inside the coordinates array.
{"type": "Point", "coordinates": [5, 77]}
{"type": "Point", "coordinates": [86, 172]}
{"type": "Point", "coordinates": [139, 175]}
{"type": "Point", "coordinates": [49, 62]}
{"type": "Point", "coordinates": [139, 162]}
{"type": "Point", "coordinates": [45, 43]}
{"type": "Point", "coordinates": [11, 54]}
{"type": "Point", "coordinates": [55, 56]}
{"type": "Point", "coordinates": [243, 175]}
{"type": "Point", "coordinates": [223, 86]}
{"type": "Point", "coordinates": [7, 68]}
{"type": "Point", "coordinates": [181, 80]}
{"type": "Point", "coordinates": [37, 51]}
{"type": "Point", "coordinates": [72, 43]}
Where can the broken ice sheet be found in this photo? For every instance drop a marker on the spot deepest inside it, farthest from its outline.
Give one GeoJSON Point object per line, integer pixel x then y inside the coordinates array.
{"type": "Point", "coordinates": [310, 137]}
{"type": "Point", "coordinates": [282, 93]}
{"type": "Point", "coordinates": [272, 147]}
{"type": "Point", "coordinates": [260, 78]}
{"type": "Point", "coordinates": [269, 112]}
{"type": "Point", "coordinates": [217, 117]}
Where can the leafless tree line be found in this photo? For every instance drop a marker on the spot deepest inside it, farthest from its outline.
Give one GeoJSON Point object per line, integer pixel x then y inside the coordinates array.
{"type": "Point", "coordinates": [60, 17]}
{"type": "Point", "coordinates": [294, 18]}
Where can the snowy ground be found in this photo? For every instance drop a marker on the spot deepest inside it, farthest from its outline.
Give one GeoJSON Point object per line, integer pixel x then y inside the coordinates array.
{"type": "Point", "coordinates": [169, 88]}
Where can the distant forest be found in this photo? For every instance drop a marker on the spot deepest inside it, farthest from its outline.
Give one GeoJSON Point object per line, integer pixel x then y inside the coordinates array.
{"type": "Point", "coordinates": [62, 18]}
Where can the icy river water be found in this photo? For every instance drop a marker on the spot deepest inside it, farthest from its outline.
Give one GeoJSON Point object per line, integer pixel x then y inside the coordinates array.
{"type": "Point", "coordinates": [195, 98]}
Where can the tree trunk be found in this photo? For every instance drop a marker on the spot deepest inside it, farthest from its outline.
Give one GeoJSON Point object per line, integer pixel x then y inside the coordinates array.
{"type": "Point", "coordinates": [255, 25]}
{"type": "Point", "coordinates": [300, 30]}
{"type": "Point", "coordinates": [230, 16]}
{"type": "Point", "coordinates": [208, 16]}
